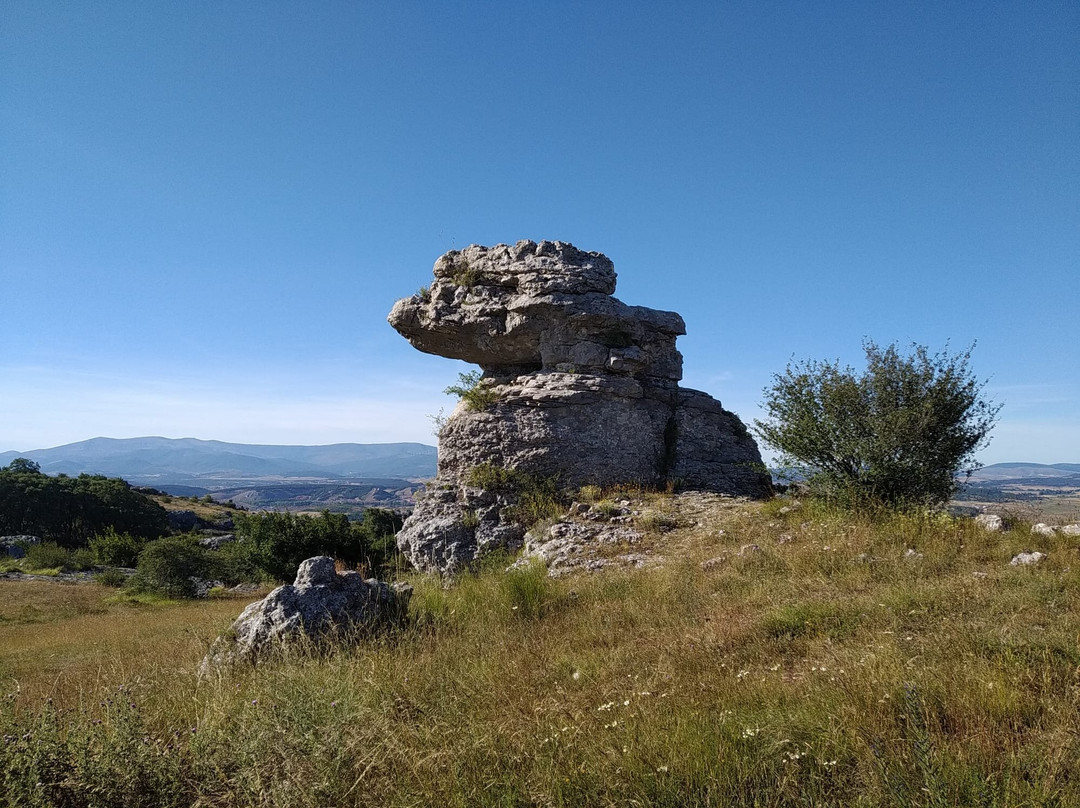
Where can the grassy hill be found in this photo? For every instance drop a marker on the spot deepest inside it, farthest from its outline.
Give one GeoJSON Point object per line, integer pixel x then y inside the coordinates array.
{"type": "Point", "coordinates": [771, 656]}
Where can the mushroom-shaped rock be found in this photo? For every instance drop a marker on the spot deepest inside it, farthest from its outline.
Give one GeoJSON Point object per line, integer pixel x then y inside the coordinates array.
{"type": "Point", "coordinates": [320, 605]}
{"type": "Point", "coordinates": [579, 387]}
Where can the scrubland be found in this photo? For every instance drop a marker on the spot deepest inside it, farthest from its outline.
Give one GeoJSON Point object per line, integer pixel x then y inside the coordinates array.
{"type": "Point", "coordinates": [828, 666]}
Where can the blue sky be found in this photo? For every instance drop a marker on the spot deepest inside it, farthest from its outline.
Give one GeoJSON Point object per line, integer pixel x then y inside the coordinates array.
{"type": "Point", "coordinates": [207, 209]}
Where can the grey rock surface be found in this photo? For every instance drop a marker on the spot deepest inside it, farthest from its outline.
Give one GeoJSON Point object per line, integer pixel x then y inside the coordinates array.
{"type": "Point", "coordinates": [1042, 529]}
{"type": "Point", "coordinates": [13, 546]}
{"type": "Point", "coordinates": [571, 546]}
{"type": "Point", "coordinates": [1071, 530]}
{"type": "Point", "coordinates": [321, 605]}
{"type": "Point", "coordinates": [584, 388]}
{"type": "Point", "coordinates": [217, 542]}
{"type": "Point", "coordinates": [183, 520]}
{"type": "Point", "coordinates": [1027, 559]}
{"type": "Point", "coordinates": [990, 522]}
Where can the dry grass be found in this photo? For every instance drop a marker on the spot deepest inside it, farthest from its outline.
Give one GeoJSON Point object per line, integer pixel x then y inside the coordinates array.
{"type": "Point", "coordinates": [826, 668]}
{"type": "Point", "coordinates": [61, 641]}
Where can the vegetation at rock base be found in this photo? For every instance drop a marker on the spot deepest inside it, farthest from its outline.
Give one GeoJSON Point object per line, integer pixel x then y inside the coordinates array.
{"type": "Point", "coordinates": [897, 435]}
{"type": "Point", "coordinates": [831, 668]}
{"type": "Point", "coordinates": [535, 498]}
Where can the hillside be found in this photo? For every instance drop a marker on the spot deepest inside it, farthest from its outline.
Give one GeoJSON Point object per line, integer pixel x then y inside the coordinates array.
{"type": "Point", "coordinates": [770, 654]}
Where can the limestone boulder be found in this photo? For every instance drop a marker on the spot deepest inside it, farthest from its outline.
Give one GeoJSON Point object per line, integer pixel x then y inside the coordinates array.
{"type": "Point", "coordinates": [990, 522]}
{"type": "Point", "coordinates": [579, 387]}
{"type": "Point", "coordinates": [321, 606]}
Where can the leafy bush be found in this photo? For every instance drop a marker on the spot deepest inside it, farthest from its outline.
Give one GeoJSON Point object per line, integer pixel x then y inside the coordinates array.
{"type": "Point", "coordinates": [473, 391]}
{"type": "Point", "coordinates": [83, 559]}
{"type": "Point", "coordinates": [896, 435]}
{"type": "Point", "coordinates": [111, 577]}
{"type": "Point", "coordinates": [47, 555]}
{"type": "Point", "coordinates": [117, 549]}
{"type": "Point", "coordinates": [167, 565]}
{"type": "Point", "coordinates": [273, 544]}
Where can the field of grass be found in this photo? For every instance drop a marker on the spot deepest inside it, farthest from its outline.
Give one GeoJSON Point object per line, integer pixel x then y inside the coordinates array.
{"type": "Point", "coordinates": [829, 666]}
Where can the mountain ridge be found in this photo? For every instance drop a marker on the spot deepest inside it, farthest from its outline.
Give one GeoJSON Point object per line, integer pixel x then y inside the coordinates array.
{"type": "Point", "coordinates": [157, 459]}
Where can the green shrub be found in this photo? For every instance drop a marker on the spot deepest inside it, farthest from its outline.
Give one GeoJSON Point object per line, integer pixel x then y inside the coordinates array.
{"type": "Point", "coordinates": [272, 545]}
{"type": "Point", "coordinates": [83, 559]}
{"type": "Point", "coordinates": [111, 577]}
{"type": "Point", "coordinates": [899, 434]}
{"type": "Point", "coordinates": [47, 555]}
{"type": "Point", "coordinates": [471, 389]}
{"type": "Point", "coordinates": [117, 549]}
{"type": "Point", "coordinates": [166, 566]}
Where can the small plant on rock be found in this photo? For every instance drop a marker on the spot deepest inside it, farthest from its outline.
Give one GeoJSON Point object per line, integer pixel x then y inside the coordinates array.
{"type": "Point", "coordinates": [471, 389]}
{"type": "Point", "coordinates": [467, 275]}
{"type": "Point", "coordinates": [535, 498]}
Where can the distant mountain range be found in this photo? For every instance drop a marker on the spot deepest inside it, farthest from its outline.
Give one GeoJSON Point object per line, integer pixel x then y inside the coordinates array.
{"type": "Point", "coordinates": [1029, 472]}
{"type": "Point", "coordinates": [215, 464]}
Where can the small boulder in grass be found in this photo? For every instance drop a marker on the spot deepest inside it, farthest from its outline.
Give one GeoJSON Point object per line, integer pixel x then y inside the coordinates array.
{"type": "Point", "coordinates": [320, 606]}
{"type": "Point", "coordinates": [1042, 529]}
{"type": "Point", "coordinates": [1071, 530]}
{"type": "Point", "coordinates": [1027, 559]}
{"type": "Point", "coordinates": [990, 522]}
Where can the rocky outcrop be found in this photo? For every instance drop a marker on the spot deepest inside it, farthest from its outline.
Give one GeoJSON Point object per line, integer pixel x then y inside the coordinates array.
{"type": "Point", "coordinates": [15, 546]}
{"type": "Point", "coordinates": [576, 385]}
{"type": "Point", "coordinates": [320, 606]}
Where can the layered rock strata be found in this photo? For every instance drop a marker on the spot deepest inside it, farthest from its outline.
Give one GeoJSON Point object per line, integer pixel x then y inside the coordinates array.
{"type": "Point", "coordinates": [576, 385]}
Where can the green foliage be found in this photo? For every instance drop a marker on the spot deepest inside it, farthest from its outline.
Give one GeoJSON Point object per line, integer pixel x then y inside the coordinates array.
{"type": "Point", "coordinates": [473, 391]}
{"type": "Point", "coordinates": [466, 275]}
{"type": "Point", "coordinates": [534, 498]}
{"type": "Point", "coordinates": [111, 577]}
{"type": "Point", "coordinates": [273, 544]}
{"type": "Point", "coordinates": [83, 558]}
{"type": "Point", "coordinates": [896, 435]}
{"type": "Point", "coordinates": [47, 555]}
{"type": "Point", "coordinates": [117, 549]}
{"type": "Point", "coordinates": [166, 566]}
{"type": "Point", "coordinates": [528, 590]}
{"type": "Point", "coordinates": [424, 293]}
{"type": "Point", "coordinates": [69, 510]}
{"type": "Point", "coordinates": [496, 479]}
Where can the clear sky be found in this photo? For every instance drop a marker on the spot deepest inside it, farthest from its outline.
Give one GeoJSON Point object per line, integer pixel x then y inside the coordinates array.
{"type": "Point", "coordinates": [207, 209]}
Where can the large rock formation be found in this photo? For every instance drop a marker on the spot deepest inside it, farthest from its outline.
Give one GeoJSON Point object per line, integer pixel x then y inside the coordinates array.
{"type": "Point", "coordinates": [577, 385]}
